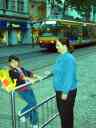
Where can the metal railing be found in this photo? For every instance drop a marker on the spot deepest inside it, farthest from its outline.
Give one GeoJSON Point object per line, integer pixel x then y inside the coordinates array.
{"type": "Point", "coordinates": [47, 111]}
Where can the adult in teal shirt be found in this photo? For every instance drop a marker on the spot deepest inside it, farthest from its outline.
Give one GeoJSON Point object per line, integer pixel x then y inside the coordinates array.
{"type": "Point", "coordinates": [65, 83]}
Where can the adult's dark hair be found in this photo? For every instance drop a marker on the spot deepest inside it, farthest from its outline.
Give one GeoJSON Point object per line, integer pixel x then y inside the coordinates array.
{"type": "Point", "coordinates": [13, 57]}
{"type": "Point", "coordinates": [66, 42]}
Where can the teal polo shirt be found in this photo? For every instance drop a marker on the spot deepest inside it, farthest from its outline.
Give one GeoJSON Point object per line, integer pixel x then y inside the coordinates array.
{"type": "Point", "coordinates": [64, 73]}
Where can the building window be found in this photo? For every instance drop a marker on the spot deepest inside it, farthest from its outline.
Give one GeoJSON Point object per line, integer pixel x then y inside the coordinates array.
{"type": "Point", "coordinates": [20, 6]}
{"type": "Point", "coordinates": [4, 4]}
{"type": "Point", "coordinates": [12, 5]}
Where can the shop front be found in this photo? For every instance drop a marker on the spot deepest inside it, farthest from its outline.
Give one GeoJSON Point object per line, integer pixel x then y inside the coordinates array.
{"type": "Point", "coordinates": [3, 33]}
{"type": "Point", "coordinates": [14, 34]}
{"type": "Point", "coordinates": [19, 33]}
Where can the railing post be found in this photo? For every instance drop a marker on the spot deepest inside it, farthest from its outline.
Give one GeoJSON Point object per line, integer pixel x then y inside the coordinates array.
{"type": "Point", "coordinates": [13, 110]}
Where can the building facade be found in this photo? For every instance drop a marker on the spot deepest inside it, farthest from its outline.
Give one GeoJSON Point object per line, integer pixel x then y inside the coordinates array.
{"type": "Point", "coordinates": [16, 18]}
{"type": "Point", "coordinates": [15, 24]}
{"type": "Point", "coordinates": [37, 9]}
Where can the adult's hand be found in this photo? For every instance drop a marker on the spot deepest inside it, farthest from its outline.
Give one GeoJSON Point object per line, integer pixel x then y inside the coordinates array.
{"type": "Point", "coordinates": [64, 96]}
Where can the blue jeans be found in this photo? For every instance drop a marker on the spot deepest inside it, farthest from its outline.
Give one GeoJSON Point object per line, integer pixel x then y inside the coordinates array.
{"type": "Point", "coordinates": [29, 97]}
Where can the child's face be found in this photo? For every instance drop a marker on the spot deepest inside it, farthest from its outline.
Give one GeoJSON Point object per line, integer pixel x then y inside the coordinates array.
{"type": "Point", "coordinates": [14, 64]}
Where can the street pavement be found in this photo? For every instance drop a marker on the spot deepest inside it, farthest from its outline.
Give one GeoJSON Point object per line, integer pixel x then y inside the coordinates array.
{"type": "Point", "coordinates": [85, 108]}
{"type": "Point", "coordinates": [18, 49]}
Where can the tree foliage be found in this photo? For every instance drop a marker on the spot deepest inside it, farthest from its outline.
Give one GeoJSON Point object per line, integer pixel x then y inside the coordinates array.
{"type": "Point", "coordinates": [83, 7]}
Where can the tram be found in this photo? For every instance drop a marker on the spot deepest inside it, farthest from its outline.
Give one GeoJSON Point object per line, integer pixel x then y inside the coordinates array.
{"type": "Point", "coordinates": [79, 34]}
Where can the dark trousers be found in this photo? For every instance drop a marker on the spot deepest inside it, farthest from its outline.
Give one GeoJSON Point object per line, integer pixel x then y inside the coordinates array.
{"type": "Point", "coordinates": [65, 108]}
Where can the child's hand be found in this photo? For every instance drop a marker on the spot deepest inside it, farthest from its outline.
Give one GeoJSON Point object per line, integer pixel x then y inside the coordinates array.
{"type": "Point", "coordinates": [47, 73]}
{"type": "Point", "coordinates": [32, 79]}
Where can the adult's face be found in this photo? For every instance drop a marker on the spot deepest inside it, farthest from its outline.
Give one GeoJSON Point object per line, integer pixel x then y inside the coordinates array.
{"type": "Point", "coordinates": [61, 48]}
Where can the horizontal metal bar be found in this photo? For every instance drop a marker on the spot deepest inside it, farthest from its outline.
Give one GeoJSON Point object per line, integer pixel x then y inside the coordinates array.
{"type": "Point", "coordinates": [48, 121]}
{"type": "Point", "coordinates": [35, 107]}
{"type": "Point", "coordinates": [23, 85]}
{"type": "Point", "coordinates": [28, 83]}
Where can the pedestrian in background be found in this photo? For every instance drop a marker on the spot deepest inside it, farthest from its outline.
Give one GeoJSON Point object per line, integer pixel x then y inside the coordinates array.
{"type": "Point", "coordinates": [18, 73]}
{"type": "Point", "coordinates": [65, 83]}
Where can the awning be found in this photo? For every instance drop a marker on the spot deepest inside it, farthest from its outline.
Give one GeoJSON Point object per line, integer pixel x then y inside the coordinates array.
{"type": "Point", "coordinates": [23, 26]}
{"type": "Point", "coordinates": [3, 24]}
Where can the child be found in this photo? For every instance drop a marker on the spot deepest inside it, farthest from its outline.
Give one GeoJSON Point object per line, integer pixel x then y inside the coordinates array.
{"type": "Point", "coordinates": [19, 74]}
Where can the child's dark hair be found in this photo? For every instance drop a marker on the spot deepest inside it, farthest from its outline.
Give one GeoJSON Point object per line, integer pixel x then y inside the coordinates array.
{"type": "Point", "coordinates": [13, 57]}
